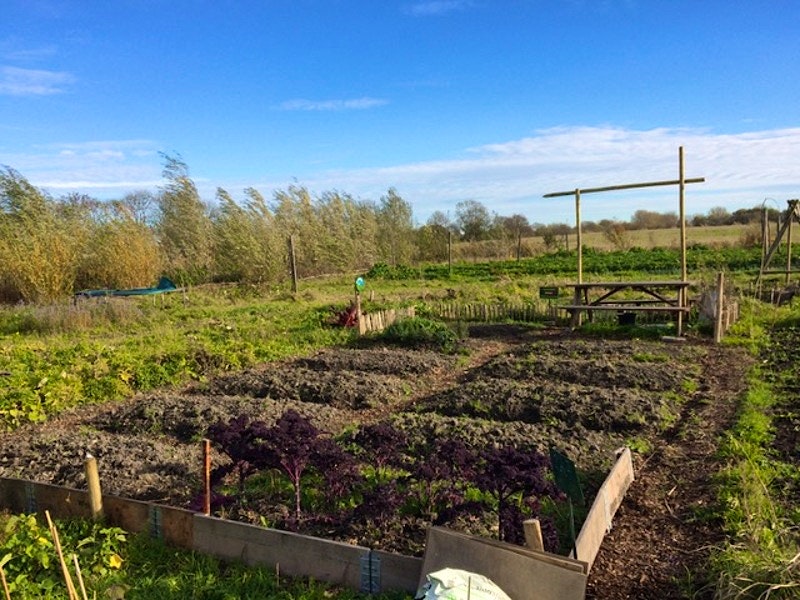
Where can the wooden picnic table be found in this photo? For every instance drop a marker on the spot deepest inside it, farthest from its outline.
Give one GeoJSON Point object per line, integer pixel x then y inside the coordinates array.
{"type": "Point", "coordinates": [628, 296]}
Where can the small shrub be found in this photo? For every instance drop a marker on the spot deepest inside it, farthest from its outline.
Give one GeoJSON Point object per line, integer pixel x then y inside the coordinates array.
{"type": "Point", "coordinates": [418, 332]}
{"type": "Point", "coordinates": [397, 272]}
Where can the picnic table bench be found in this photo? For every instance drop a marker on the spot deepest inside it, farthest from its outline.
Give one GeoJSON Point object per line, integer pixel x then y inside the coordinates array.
{"type": "Point", "coordinates": [648, 296]}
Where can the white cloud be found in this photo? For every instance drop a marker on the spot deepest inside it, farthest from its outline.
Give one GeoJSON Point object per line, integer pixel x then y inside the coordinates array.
{"type": "Point", "coordinates": [740, 171]}
{"type": "Point", "coordinates": [29, 54]}
{"type": "Point", "coordinates": [332, 105]}
{"type": "Point", "coordinates": [105, 168]}
{"type": "Point", "coordinates": [33, 82]}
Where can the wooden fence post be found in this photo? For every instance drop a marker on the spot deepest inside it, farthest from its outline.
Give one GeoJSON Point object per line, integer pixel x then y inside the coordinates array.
{"type": "Point", "coordinates": [533, 534]}
{"type": "Point", "coordinates": [293, 264]}
{"type": "Point", "coordinates": [450, 253]}
{"type": "Point", "coordinates": [718, 322]}
{"type": "Point", "coordinates": [206, 477]}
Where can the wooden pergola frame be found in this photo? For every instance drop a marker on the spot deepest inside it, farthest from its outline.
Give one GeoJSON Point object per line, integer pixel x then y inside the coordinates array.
{"type": "Point", "coordinates": [681, 182]}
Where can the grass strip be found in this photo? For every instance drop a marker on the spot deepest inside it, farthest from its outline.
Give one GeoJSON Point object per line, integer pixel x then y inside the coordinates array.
{"type": "Point", "coordinates": [762, 556]}
{"type": "Point", "coordinates": [118, 565]}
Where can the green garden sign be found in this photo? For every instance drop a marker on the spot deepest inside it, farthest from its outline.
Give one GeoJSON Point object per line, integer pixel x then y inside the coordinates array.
{"type": "Point", "coordinates": [567, 481]}
{"type": "Point", "coordinates": [360, 284]}
{"type": "Point", "coordinates": [565, 475]}
{"type": "Point", "coordinates": [548, 292]}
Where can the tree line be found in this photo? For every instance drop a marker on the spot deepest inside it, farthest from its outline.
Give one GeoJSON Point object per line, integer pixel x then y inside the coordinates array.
{"type": "Point", "coordinates": [52, 247]}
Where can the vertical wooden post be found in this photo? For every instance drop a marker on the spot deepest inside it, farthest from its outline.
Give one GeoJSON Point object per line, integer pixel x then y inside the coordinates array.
{"type": "Point", "coordinates": [579, 234]}
{"type": "Point", "coordinates": [206, 477]}
{"type": "Point", "coordinates": [720, 303]}
{"type": "Point", "coordinates": [577, 316]}
{"type": "Point", "coordinates": [682, 293]}
{"type": "Point", "coordinates": [93, 481]}
{"type": "Point", "coordinates": [789, 246]}
{"type": "Point", "coordinates": [519, 246]}
{"type": "Point", "coordinates": [293, 264]}
{"type": "Point", "coordinates": [533, 534]}
{"type": "Point", "coordinates": [358, 285]}
{"type": "Point", "coordinates": [682, 208]}
{"type": "Point", "coordinates": [449, 252]}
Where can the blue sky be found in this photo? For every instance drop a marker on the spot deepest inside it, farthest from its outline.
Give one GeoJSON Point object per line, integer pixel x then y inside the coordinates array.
{"type": "Point", "coordinates": [499, 101]}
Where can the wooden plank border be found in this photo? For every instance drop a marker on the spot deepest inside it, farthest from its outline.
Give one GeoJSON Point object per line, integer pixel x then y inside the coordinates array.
{"type": "Point", "coordinates": [356, 567]}
{"type": "Point", "coordinates": [289, 553]}
{"type": "Point", "coordinates": [599, 520]}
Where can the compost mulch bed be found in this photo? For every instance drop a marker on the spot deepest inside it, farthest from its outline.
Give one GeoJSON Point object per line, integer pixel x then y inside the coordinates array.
{"type": "Point", "coordinates": [147, 446]}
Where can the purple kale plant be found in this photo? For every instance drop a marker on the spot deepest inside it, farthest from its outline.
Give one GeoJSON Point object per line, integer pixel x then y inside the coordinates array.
{"type": "Point", "coordinates": [514, 478]}
{"type": "Point", "coordinates": [293, 446]}
{"type": "Point", "coordinates": [240, 440]}
{"type": "Point", "coordinates": [383, 446]}
{"type": "Point", "coordinates": [440, 477]}
{"type": "Point", "coordinates": [290, 446]}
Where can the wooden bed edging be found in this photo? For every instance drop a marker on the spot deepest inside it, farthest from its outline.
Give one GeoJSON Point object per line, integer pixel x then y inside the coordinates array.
{"type": "Point", "coordinates": [356, 567]}
{"type": "Point", "coordinates": [605, 505]}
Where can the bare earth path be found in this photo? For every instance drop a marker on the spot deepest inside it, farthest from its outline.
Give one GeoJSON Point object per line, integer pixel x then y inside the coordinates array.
{"type": "Point", "coordinates": [663, 532]}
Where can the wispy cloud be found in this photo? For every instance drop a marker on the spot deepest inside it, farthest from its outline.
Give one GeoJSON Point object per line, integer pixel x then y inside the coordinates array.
{"type": "Point", "coordinates": [436, 7]}
{"type": "Point", "coordinates": [332, 105]}
{"type": "Point", "coordinates": [106, 168]}
{"type": "Point", "coordinates": [508, 177]}
{"type": "Point", "coordinates": [33, 82]}
{"type": "Point", "coordinates": [29, 54]}
{"type": "Point", "coordinates": [512, 176]}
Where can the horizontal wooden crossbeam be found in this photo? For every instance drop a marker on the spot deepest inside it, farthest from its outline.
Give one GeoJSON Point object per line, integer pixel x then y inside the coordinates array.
{"type": "Point", "coordinates": [624, 186]}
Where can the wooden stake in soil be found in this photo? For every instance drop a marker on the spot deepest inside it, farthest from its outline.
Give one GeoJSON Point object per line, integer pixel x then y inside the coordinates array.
{"type": "Point", "coordinates": [80, 576]}
{"type": "Point", "coordinates": [292, 264]}
{"type": "Point", "coordinates": [73, 595]}
{"type": "Point", "coordinates": [450, 253]}
{"type": "Point", "coordinates": [5, 584]}
{"type": "Point", "coordinates": [93, 481]}
{"type": "Point", "coordinates": [533, 534]}
{"type": "Point", "coordinates": [207, 477]}
{"type": "Point", "coordinates": [720, 304]}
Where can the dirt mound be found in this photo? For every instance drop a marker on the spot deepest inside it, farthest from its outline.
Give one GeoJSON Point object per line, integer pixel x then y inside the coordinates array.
{"type": "Point", "coordinates": [346, 378]}
{"type": "Point", "coordinates": [186, 419]}
{"type": "Point", "coordinates": [386, 361]}
{"type": "Point", "coordinates": [642, 365]}
{"type": "Point", "coordinates": [543, 401]}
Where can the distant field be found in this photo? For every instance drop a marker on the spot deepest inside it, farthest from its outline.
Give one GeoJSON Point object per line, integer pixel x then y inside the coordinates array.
{"type": "Point", "coordinates": [719, 236]}
{"type": "Point", "coordinates": [722, 235]}
{"type": "Point", "coordinates": [727, 235]}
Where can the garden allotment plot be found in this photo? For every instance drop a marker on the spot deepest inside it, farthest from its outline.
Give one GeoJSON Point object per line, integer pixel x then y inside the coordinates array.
{"type": "Point", "coordinates": [512, 386]}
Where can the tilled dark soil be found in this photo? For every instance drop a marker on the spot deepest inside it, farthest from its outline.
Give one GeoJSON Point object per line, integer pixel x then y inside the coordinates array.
{"type": "Point", "coordinates": [586, 397]}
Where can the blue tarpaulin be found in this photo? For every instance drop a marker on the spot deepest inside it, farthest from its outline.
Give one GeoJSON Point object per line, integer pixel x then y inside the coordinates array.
{"type": "Point", "coordinates": [165, 285]}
